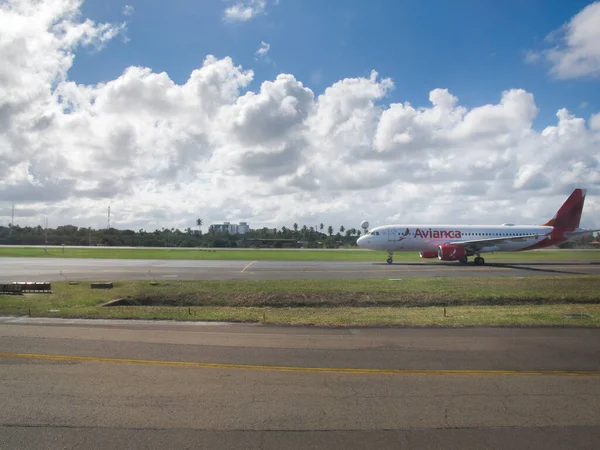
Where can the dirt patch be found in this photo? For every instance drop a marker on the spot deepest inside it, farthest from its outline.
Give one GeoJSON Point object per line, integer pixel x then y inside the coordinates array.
{"type": "Point", "coordinates": [328, 299]}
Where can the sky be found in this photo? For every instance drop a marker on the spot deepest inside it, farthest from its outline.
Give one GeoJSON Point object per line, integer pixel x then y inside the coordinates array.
{"type": "Point", "coordinates": [282, 111]}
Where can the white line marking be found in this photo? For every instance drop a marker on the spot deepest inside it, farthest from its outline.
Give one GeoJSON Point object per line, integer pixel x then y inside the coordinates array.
{"type": "Point", "coordinates": [248, 265]}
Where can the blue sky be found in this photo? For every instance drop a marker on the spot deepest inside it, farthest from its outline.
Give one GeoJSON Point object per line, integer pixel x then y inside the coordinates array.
{"type": "Point", "coordinates": [475, 48]}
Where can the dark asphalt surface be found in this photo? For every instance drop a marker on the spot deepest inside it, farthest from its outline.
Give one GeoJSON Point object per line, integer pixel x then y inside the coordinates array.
{"type": "Point", "coordinates": [57, 269]}
{"type": "Point", "coordinates": [107, 404]}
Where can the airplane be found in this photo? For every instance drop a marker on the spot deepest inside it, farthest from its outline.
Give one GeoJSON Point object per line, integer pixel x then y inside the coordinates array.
{"type": "Point", "coordinates": [458, 242]}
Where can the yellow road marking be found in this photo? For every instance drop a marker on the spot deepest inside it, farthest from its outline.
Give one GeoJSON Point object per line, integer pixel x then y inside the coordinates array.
{"type": "Point", "coordinates": [588, 373]}
{"type": "Point", "coordinates": [248, 265]}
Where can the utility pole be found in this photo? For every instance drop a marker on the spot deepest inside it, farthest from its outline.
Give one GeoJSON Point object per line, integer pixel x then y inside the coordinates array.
{"type": "Point", "coordinates": [108, 218]}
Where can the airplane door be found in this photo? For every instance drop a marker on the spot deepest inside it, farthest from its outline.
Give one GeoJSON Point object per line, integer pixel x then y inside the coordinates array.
{"type": "Point", "coordinates": [392, 235]}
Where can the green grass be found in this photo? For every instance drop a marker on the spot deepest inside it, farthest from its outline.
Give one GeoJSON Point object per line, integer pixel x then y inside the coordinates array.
{"type": "Point", "coordinates": [458, 316]}
{"type": "Point", "coordinates": [373, 302]}
{"type": "Point", "coordinates": [277, 255]}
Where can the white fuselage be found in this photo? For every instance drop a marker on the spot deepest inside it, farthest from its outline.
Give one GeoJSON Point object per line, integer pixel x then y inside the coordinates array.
{"type": "Point", "coordinates": [427, 238]}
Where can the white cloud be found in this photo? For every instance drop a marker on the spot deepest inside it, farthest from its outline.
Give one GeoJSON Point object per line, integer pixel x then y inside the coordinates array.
{"type": "Point", "coordinates": [245, 10]}
{"type": "Point", "coordinates": [532, 57]}
{"type": "Point", "coordinates": [577, 50]}
{"type": "Point", "coordinates": [163, 153]}
{"type": "Point", "coordinates": [263, 50]}
{"type": "Point", "coordinates": [128, 10]}
{"type": "Point", "coordinates": [595, 122]}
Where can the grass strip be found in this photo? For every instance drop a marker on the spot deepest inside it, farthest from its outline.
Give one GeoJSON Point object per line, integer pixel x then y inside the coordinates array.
{"type": "Point", "coordinates": [372, 302]}
{"type": "Point", "coordinates": [277, 255]}
{"type": "Point", "coordinates": [458, 316]}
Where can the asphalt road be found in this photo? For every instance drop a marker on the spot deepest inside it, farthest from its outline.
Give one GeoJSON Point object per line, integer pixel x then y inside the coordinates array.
{"type": "Point", "coordinates": [135, 384]}
{"type": "Point", "coordinates": [58, 269]}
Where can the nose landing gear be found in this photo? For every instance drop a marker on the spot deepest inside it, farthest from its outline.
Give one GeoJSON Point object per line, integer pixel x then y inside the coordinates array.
{"type": "Point", "coordinates": [390, 259]}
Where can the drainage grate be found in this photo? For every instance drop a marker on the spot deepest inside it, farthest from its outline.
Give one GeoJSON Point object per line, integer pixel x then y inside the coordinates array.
{"type": "Point", "coordinates": [576, 315]}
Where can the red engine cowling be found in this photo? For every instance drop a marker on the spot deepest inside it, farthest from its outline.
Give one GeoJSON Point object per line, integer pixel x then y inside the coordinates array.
{"type": "Point", "coordinates": [449, 252]}
{"type": "Point", "coordinates": [428, 255]}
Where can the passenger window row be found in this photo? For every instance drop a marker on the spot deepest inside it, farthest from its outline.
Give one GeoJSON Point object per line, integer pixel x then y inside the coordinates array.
{"type": "Point", "coordinates": [494, 234]}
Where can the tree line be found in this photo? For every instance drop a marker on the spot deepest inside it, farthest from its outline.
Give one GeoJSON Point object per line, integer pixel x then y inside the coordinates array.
{"type": "Point", "coordinates": [294, 236]}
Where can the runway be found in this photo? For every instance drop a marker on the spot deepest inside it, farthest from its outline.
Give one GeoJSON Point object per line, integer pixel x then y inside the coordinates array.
{"type": "Point", "coordinates": [139, 384]}
{"type": "Point", "coordinates": [68, 269]}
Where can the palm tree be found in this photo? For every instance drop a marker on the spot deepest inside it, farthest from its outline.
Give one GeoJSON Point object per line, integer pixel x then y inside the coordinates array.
{"type": "Point", "coordinates": [321, 227]}
{"type": "Point", "coordinates": [295, 227]}
{"type": "Point", "coordinates": [199, 224]}
{"type": "Point", "coordinates": [342, 229]}
{"type": "Point", "coordinates": [330, 230]}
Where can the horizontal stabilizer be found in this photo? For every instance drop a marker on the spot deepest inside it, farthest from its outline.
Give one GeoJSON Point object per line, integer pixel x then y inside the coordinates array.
{"type": "Point", "coordinates": [579, 233]}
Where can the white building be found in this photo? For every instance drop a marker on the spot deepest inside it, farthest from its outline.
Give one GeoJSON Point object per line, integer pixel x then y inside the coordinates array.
{"type": "Point", "coordinates": [231, 228]}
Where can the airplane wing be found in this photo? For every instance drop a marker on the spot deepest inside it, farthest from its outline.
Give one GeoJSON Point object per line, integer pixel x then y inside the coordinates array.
{"type": "Point", "coordinates": [478, 244]}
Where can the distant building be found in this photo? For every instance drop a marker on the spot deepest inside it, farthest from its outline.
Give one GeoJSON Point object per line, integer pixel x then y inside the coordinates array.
{"type": "Point", "coordinates": [231, 228]}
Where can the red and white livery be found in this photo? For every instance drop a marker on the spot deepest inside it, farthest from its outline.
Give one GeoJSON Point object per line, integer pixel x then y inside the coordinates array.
{"type": "Point", "coordinates": [458, 242]}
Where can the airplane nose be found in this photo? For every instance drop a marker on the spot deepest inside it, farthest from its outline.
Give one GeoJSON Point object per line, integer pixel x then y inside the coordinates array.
{"type": "Point", "coordinates": [360, 240]}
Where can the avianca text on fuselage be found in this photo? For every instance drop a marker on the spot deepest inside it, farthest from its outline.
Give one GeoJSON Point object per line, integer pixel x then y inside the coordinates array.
{"type": "Point", "coordinates": [438, 234]}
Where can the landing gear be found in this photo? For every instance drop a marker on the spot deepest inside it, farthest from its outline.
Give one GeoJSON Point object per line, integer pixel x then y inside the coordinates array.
{"type": "Point", "coordinates": [479, 261]}
{"type": "Point", "coordinates": [390, 260]}
{"type": "Point", "coordinates": [463, 260]}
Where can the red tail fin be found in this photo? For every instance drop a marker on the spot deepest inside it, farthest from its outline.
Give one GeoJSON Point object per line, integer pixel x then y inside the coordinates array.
{"type": "Point", "coordinates": [569, 215]}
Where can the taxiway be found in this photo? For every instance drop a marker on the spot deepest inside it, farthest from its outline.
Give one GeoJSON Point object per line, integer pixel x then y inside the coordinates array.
{"type": "Point", "coordinates": [138, 384]}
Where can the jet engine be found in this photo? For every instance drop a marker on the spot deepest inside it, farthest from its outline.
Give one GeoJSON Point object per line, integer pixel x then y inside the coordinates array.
{"type": "Point", "coordinates": [428, 255]}
{"type": "Point", "coordinates": [449, 252]}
